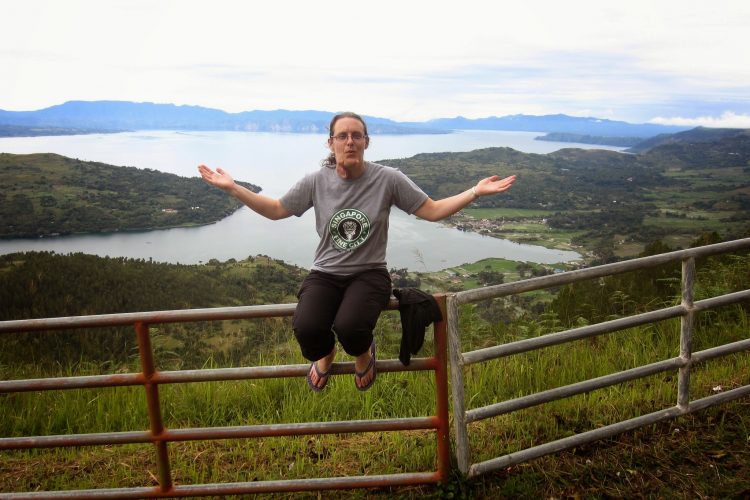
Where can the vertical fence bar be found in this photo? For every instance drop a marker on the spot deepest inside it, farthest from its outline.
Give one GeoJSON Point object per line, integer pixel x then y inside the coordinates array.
{"type": "Point", "coordinates": [154, 407]}
{"type": "Point", "coordinates": [686, 333]}
{"type": "Point", "coordinates": [463, 453]}
{"type": "Point", "coordinates": [441, 384]}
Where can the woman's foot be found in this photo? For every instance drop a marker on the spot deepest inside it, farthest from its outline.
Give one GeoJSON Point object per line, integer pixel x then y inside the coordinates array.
{"type": "Point", "coordinates": [365, 370]}
{"type": "Point", "coordinates": [317, 377]}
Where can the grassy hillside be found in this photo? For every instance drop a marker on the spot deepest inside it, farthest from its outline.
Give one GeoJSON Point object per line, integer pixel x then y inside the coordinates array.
{"type": "Point", "coordinates": [703, 455]}
{"type": "Point", "coordinates": [42, 285]}
{"type": "Point", "coordinates": [46, 194]}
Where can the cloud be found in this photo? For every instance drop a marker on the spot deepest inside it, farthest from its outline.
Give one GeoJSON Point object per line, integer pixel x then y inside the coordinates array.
{"type": "Point", "coordinates": [726, 120]}
{"type": "Point", "coordinates": [672, 59]}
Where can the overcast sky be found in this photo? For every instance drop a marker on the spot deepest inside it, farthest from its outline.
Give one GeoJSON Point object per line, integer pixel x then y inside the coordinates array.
{"type": "Point", "coordinates": [683, 62]}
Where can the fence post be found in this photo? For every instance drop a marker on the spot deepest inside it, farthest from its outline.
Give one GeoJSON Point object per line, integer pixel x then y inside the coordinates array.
{"type": "Point", "coordinates": [463, 452]}
{"type": "Point", "coordinates": [441, 383]}
{"type": "Point", "coordinates": [154, 407]}
{"type": "Point", "coordinates": [686, 334]}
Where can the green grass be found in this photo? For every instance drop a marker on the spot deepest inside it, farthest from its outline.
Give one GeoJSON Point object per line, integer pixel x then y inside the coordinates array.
{"type": "Point", "coordinates": [498, 213]}
{"type": "Point", "coordinates": [682, 230]}
{"type": "Point", "coordinates": [522, 226]}
{"type": "Point", "coordinates": [394, 395]}
{"type": "Point", "coordinates": [679, 224]}
{"type": "Point", "coordinates": [494, 264]}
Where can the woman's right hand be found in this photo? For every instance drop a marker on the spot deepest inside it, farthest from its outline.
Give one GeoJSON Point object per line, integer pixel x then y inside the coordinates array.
{"type": "Point", "coordinates": [219, 178]}
{"type": "Point", "coordinates": [267, 207]}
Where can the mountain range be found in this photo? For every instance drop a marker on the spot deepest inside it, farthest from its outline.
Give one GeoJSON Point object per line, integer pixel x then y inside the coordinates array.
{"type": "Point", "coordinates": [554, 123]}
{"type": "Point", "coordinates": [125, 115]}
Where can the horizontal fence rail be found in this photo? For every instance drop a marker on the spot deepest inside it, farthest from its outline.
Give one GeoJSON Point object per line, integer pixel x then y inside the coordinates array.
{"type": "Point", "coordinates": [203, 375]}
{"type": "Point", "coordinates": [555, 280]}
{"type": "Point", "coordinates": [685, 311]}
{"type": "Point", "coordinates": [605, 432]}
{"type": "Point", "coordinates": [518, 347]}
{"type": "Point", "coordinates": [159, 436]}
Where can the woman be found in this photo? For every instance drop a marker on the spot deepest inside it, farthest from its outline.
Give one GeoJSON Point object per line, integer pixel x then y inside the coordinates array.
{"type": "Point", "coordinates": [349, 283]}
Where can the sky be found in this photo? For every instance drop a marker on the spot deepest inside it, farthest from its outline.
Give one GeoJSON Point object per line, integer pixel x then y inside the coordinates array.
{"type": "Point", "coordinates": [672, 62]}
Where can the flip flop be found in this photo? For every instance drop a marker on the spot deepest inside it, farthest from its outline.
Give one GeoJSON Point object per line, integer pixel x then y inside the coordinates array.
{"type": "Point", "coordinates": [370, 366]}
{"type": "Point", "coordinates": [322, 377]}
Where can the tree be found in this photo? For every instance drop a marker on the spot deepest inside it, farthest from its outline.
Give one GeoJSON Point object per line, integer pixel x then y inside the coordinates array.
{"type": "Point", "coordinates": [489, 277]}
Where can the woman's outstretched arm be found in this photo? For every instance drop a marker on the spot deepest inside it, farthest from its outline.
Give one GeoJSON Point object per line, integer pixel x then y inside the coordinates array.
{"type": "Point", "coordinates": [261, 204]}
{"type": "Point", "coordinates": [436, 210]}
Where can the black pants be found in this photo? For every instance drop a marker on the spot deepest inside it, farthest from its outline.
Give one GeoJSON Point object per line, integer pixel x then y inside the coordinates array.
{"type": "Point", "coordinates": [346, 307]}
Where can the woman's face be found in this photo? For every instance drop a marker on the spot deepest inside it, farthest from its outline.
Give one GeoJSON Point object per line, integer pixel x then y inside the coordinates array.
{"type": "Point", "coordinates": [349, 142]}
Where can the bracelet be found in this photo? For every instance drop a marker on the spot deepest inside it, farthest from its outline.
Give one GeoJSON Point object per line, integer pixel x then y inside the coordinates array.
{"type": "Point", "coordinates": [474, 192]}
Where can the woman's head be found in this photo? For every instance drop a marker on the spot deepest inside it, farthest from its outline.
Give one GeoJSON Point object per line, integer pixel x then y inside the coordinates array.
{"type": "Point", "coordinates": [347, 139]}
{"type": "Point", "coordinates": [346, 114]}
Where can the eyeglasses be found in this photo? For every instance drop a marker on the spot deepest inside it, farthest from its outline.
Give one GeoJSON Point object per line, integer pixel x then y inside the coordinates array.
{"type": "Point", "coordinates": [342, 137]}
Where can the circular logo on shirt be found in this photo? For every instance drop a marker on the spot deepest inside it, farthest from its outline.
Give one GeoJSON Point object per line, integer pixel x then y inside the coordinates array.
{"type": "Point", "coordinates": [349, 228]}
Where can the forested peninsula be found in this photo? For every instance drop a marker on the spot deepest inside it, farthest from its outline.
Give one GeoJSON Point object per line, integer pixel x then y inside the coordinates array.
{"type": "Point", "coordinates": [49, 194]}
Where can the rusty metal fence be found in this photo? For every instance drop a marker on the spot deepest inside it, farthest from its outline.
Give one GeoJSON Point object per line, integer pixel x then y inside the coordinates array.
{"type": "Point", "coordinates": [682, 363]}
{"type": "Point", "coordinates": [151, 378]}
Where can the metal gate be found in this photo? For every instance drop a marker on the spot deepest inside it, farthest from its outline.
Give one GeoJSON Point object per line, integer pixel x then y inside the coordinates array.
{"type": "Point", "coordinates": [150, 378]}
{"type": "Point", "coordinates": [682, 363]}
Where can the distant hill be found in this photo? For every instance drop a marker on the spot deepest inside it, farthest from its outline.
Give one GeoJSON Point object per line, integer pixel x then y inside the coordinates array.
{"type": "Point", "coordinates": [123, 115]}
{"type": "Point", "coordinates": [698, 134]}
{"type": "Point", "coordinates": [577, 178]}
{"type": "Point", "coordinates": [699, 147]}
{"type": "Point", "coordinates": [555, 123]}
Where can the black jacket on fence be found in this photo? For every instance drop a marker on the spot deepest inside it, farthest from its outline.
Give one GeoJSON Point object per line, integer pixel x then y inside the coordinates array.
{"type": "Point", "coordinates": [417, 309]}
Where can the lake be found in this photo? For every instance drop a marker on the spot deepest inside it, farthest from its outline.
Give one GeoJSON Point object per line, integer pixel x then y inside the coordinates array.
{"type": "Point", "coordinates": [275, 162]}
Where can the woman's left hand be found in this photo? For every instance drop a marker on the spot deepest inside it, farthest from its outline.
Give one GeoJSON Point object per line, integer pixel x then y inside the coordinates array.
{"type": "Point", "coordinates": [494, 185]}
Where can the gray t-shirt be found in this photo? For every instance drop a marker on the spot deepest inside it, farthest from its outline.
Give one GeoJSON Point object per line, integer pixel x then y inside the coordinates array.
{"type": "Point", "coordinates": [351, 216]}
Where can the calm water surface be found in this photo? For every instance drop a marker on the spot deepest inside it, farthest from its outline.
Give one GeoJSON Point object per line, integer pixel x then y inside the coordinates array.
{"type": "Point", "coordinates": [274, 161]}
